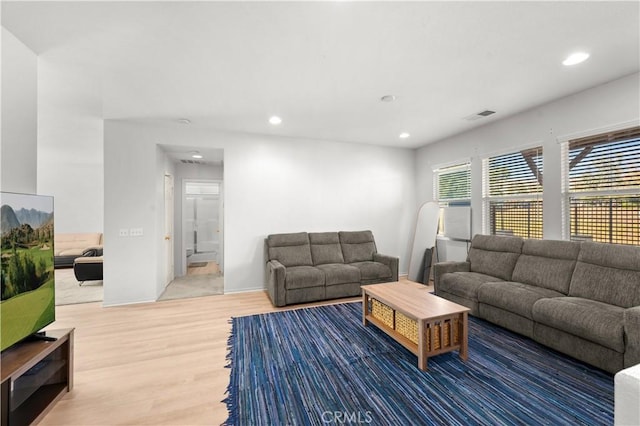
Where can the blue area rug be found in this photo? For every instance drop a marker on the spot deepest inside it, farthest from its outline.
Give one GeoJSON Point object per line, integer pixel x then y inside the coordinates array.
{"type": "Point", "coordinates": [319, 366]}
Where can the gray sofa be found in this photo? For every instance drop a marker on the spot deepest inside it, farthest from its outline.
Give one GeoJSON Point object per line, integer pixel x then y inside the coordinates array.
{"type": "Point", "coordinates": [580, 298]}
{"type": "Point", "coordinates": [307, 267]}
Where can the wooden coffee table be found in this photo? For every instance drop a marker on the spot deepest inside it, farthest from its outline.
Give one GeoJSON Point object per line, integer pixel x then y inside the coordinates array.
{"type": "Point", "coordinates": [425, 324]}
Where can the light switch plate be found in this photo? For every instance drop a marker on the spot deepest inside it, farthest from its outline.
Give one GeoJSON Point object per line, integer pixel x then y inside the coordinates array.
{"type": "Point", "coordinates": [135, 232]}
{"type": "Point", "coordinates": [124, 233]}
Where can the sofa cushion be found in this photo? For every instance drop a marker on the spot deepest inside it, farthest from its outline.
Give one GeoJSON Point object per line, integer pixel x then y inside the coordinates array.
{"type": "Point", "coordinates": [609, 273]}
{"type": "Point", "coordinates": [464, 284]}
{"type": "Point", "coordinates": [303, 277]}
{"type": "Point", "coordinates": [494, 255]}
{"type": "Point", "coordinates": [325, 248]}
{"type": "Point", "coordinates": [591, 320]}
{"type": "Point", "coordinates": [547, 263]}
{"type": "Point", "coordinates": [373, 270]}
{"type": "Point", "coordinates": [339, 273]}
{"type": "Point", "coordinates": [290, 249]}
{"type": "Point", "coordinates": [357, 246]}
{"type": "Point", "coordinates": [513, 296]}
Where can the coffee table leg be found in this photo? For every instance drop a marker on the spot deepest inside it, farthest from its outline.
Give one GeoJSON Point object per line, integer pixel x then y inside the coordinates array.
{"type": "Point", "coordinates": [422, 346]}
{"type": "Point", "coordinates": [365, 304]}
{"type": "Point", "coordinates": [463, 337]}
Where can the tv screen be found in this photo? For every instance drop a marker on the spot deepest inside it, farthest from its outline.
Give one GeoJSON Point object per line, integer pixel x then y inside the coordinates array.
{"type": "Point", "coordinates": [27, 301]}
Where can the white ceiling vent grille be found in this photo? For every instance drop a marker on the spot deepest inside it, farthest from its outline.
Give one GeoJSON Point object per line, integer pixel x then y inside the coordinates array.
{"type": "Point", "coordinates": [193, 162]}
{"type": "Point", "coordinates": [479, 115]}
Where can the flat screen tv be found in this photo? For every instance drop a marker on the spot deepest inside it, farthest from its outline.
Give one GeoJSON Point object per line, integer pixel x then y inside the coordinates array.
{"type": "Point", "coordinates": [27, 302]}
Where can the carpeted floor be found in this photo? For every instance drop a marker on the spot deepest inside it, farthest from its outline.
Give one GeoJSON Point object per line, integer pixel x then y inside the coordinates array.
{"type": "Point", "coordinates": [321, 365]}
{"type": "Point", "coordinates": [68, 290]}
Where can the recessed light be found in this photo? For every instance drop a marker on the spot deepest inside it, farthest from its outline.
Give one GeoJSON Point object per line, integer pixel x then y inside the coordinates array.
{"type": "Point", "coordinates": [575, 58]}
{"type": "Point", "coordinates": [388, 98]}
{"type": "Point", "coordinates": [275, 120]}
{"type": "Point", "coordinates": [404, 135]}
{"type": "Point", "coordinates": [196, 154]}
{"type": "Point", "coordinates": [184, 121]}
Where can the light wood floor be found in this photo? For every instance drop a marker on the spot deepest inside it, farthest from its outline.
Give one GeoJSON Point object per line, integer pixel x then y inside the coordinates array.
{"type": "Point", "coordinates": [155, 363]}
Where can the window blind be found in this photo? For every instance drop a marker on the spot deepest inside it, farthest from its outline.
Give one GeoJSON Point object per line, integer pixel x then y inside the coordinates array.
{"type": "Point", "coordinates": [601, 176]}
{"type": "Point", "coordinates": [454, 183]}
{"type": "Point", "coordinates": [609, 161]}
{"type": "Point", "coordinates": [517, 173]}
{"type": "Point", "coordinates": [513, 193]}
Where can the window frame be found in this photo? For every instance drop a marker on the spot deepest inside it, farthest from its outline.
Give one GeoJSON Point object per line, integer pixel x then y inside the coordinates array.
{"type": "Point", "coordinates": [450, 202]}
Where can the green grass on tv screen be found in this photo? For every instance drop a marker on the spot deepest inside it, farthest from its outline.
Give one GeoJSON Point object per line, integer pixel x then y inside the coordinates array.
{"type": "Point", "coordinates": [24, 309]}
{"type": "Point", "coordinates": [26, 313]}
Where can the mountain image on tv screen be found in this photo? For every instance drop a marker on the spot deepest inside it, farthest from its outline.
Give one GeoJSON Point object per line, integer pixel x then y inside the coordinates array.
{"type": "Point", "coordinates": [27, 292]}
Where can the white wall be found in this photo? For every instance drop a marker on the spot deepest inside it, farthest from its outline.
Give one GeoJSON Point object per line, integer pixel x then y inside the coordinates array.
{"type": "Point", "coordinates": [272, 185]}
{"type": "Point", "coordinates": [183, 172]}
{"type": "Point", "coordinates": [18, 156]}
{"type": "Point", "coordinates": [70, 144]}
{"type": "Point", "coordinates": [611, 104]}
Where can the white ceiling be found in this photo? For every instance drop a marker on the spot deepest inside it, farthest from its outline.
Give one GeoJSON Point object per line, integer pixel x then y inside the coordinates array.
{"type": "Point", "coordinates": [323, 66]}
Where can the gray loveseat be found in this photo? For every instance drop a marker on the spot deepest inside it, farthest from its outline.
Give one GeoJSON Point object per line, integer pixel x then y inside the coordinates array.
{"type": "Point", "coordinates": [580, 298]}
{"type": "Point", "coordinates": [307, 267]}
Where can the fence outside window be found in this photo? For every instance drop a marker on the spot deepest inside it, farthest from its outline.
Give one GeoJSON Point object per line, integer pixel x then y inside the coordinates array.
{"type": "Point", "coordinates": [601, 185]}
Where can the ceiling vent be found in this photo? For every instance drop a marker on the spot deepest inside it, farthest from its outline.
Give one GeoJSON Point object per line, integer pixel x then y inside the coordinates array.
{"type": "Point", "coordinates": [479, 115]}
{"type": "Point", "coordinates": [193, 162]}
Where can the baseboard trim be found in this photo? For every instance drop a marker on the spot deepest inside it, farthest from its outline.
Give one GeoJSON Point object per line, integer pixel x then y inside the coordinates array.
{"type": "Point", "coordinates": [245, 290]}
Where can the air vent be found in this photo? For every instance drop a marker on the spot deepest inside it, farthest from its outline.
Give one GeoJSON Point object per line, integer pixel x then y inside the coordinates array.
{"type": "Point", "coordinates": [193, 162]}
{"type": "Point", "coordinates": [479, 115]}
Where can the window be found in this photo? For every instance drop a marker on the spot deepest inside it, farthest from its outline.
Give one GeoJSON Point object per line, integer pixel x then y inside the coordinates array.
{"type": "Point", "coordinates": [452, 187]}
{"type": "Point", "coordinates": [601, 185]}
{"type": "Point", "coordinates": [512, 193]}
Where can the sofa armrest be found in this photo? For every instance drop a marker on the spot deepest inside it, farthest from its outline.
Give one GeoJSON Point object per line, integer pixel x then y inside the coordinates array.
{"type": "Point", "coordinates": [632, 336]}
{"type": "Point", "coordinates": [92, 251]}
{"type": "Point", "coordinates": [276, 272]}
{"type": "Point", "coordinates": [391, 261]}
{"type": "Point", "coordinates": [441, 268]}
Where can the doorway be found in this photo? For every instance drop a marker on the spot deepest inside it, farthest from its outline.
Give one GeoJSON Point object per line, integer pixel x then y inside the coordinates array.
{"type": "Point", "coordinates": [200, 233]}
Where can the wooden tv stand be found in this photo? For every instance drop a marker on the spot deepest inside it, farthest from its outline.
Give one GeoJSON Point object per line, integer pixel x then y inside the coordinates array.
{"type": "Point", "coordinates": [35, 375]}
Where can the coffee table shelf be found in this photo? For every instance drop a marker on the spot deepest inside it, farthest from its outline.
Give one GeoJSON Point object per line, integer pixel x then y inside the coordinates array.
{"type": "Point", "coordinates": [441, 325]}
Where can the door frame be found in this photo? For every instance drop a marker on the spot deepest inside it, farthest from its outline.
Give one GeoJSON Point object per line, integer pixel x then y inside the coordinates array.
{"type": "Point", "coordinates": [169, 228]}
